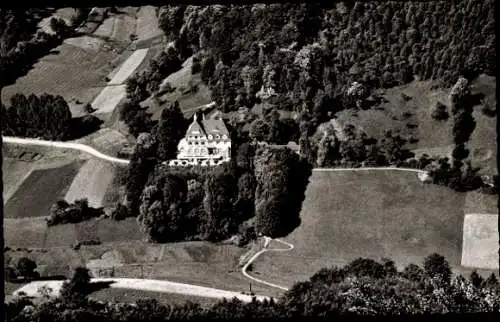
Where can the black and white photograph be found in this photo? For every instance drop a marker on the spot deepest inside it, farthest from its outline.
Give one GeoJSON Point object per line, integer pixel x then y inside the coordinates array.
{"type": "Point", "coordinates": [196, 159]}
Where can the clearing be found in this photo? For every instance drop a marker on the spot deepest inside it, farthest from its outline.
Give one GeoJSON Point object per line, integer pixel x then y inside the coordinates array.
{"type": "Point", "coordinates": [189, 91]}
{"type": "Point", "coordinates": [434, 137]}
{"type": "Point", "coordinates": [371, 214]}
{"type": "Point", "coordinates": [40, 190]}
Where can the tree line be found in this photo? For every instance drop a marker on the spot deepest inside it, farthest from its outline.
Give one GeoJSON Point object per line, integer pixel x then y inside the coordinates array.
{"type": "Point", "coordinates": [46, 116]}
{"type": "Point", "coordinates": [362, 287]}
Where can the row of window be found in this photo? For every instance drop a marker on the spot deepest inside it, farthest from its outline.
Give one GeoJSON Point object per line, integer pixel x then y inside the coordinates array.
{"type": "Point", "coordinates": [210, 137]}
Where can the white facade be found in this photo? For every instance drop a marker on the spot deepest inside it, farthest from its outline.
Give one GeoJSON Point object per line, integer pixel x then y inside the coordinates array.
{"type": "Point", "coordinates": [206, 143]}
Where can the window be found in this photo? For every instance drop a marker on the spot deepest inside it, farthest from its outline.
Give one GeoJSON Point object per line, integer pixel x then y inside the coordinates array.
{"type": "Point", "coordinates": [224, 137]}
{"type": "Point", "coordinates": [217, 136]}
{"type": "Point", "coordinates": [210, 137]}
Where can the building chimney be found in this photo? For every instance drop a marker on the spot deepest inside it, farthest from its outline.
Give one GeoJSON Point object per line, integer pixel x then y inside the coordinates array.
{"type": "Point", "coordinates": [203, 116]}
{"type": "Point", "coordinates": [194, 117]}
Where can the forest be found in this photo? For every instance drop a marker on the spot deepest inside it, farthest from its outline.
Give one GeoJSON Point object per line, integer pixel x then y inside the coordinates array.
{"type": "Point", "coordinates": [362, 287]}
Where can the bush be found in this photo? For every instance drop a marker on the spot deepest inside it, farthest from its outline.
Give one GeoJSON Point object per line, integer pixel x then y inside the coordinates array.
{"type": "Point", "coordinates": [439, 112]}
{"type": "Point", "coordinates": [489, 111]}
{"type": "Point", "coordinates": [196, 67]}
{"type": "Point", "coordinates": [63, 212]}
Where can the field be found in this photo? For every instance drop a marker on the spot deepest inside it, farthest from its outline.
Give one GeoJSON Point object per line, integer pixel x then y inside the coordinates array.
{"type": "Point", "coordinates": [371, 214]}
{"type": "Point", "coordinates": [109, 98]}
{"type": "Point", "coordinates": [75, 73]}
{"type": "Point", "coordinates": [147, 24]}
{"type": "Point", "coordinates": [480, 242]}
{"type": "Point", "coordinates": [14, 173]}
{"type": "Point", "coordinates": [91, 182]}
{"type": "Point", "coordinates": [117, 28]}
{"type": "Point", "coordinates": [435, 137]}
{"type": "Point", "coordinates": [128, 67]}
{"type": "Point", "coordinates": [39, 191]}
{"type": "Point", "coordinates": [131, 296]}
{"type": "Point", "coordinates": [187, 102]}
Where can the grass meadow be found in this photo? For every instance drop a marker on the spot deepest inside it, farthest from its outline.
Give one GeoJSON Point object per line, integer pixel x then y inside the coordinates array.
{"type": "Point", "coordinates": [371, 214]}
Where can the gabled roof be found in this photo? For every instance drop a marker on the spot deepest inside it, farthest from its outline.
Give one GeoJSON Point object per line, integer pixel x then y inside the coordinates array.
{"type": "Point", "coordinates": [215, 127]}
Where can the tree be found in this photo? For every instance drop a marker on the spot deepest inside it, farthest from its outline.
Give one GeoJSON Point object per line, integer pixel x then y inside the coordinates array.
{"type": "Point", "coordinates": [476, 279]}
{"type": "Point", "coordinates": [436, 265]}
{"type": "Point", "coordinates": [169, 131]}
{"type": "Point", "coordinates": [439, 112]}
{"type": "Point", "coordinates": [26, 267]}
{"type": "Point", "coordinates": [77, 288]}
{"type": "Point", "coordinates": [220, 195]}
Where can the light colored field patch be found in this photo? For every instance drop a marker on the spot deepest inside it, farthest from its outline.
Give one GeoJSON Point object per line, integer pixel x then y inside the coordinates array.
{"type": "Point", "coordinates": [109, 98]}
{"type": "Point", "coordinates": [128, 67]}
{"type": "Point", "coordinates": [91, 182]}
{"type": "Point", "coordinates": [86, 42]}
{"type": "Point", "coordinates": [106, 28]}
{"type": "Point", "coordinates": [480, 241]}
{"type": "Point", "coordinates": [125, 26]}
{"type": "Point", "coordinates": [147, 24]}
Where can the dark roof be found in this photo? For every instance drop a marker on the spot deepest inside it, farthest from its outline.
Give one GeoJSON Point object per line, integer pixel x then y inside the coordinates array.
{"type": "Point", "coordinates": [214, 127]}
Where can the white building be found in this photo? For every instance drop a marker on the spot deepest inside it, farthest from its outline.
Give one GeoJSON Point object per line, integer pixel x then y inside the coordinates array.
{"type": "Point", "coordinates": [205, 143]}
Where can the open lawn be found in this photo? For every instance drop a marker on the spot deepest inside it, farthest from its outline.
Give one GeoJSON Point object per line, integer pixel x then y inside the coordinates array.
{"type": "Point", "coordinates": [435, 137]}
{"type": "Point", "coordinates": [40, 190]}
{"type": "Point", "coordinates": [371, 214]}
{"type": "Point", "coordinates": [75, 73]}
{"type": "Point", "coordinates": [131, 296]}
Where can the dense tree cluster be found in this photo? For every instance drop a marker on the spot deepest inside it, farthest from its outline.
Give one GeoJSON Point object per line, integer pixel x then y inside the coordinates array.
{"type": "Point", "coordinates": [46, 116]}
{"type": "Point", "coordinates": [63, 212]}
{"type": "Point", "coordinates": [281, 179]}
{"type": "Point", "coordinates": [363, 287]}
{"type": "Point", "coordinates": [294, 50]}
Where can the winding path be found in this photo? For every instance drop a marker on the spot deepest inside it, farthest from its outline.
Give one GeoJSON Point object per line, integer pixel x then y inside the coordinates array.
{"type": "Point", "coordinates": [151, 285]}
{"type": "Point", "coordinates": [267, 241]}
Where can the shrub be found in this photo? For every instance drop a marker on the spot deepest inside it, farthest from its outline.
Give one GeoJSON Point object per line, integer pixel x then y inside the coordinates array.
{"type": "Point", "coordinates": [489, 111]}
{"type": "Point", "coordinates": [439, 112]}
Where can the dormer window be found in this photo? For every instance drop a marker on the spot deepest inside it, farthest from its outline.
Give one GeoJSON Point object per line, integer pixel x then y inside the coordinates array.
{"type": "Point", "coordinates": [224, 137]}
{"type": "Point", "coordinates": [217, 136]}
{"type": "Point", "coordinates": [210, 137]}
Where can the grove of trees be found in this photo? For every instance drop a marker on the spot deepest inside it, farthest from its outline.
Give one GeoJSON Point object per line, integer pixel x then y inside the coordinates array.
{"type": "Point", "coordinates": [46, 116]}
